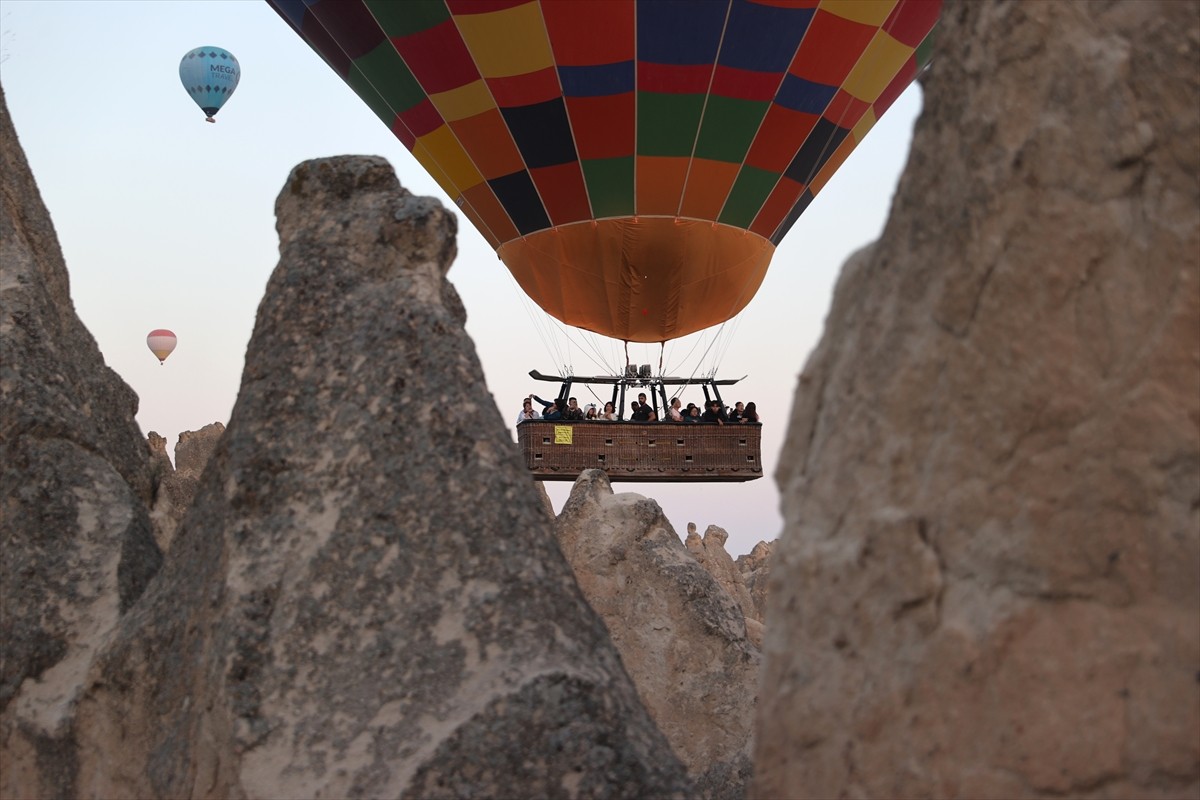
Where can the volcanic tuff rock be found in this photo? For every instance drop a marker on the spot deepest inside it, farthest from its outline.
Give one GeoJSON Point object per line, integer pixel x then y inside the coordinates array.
{"type": "Point", "coordinates": [177, 485]}
{"type": "Point", "coordinates": [366, 599]}
{"type": "Point", "coordinates": [76, 548]}
{"type": "Point", "coordinates": [710, 551]}
{"type": "Point", "coordinates": [987, 580]}
{"type": "Point", "coordinates": [755, 567]}
{"type": "Point", "coordinates": [681, 636]}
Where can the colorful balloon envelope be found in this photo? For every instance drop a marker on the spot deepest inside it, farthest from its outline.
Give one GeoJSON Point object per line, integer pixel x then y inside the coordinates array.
{"type": "Point", "coordinates": [162, 343]}
{"type": "Point", "coordinates": [210, 74]}
{"type": "Point", "coordinates": [634, 163]}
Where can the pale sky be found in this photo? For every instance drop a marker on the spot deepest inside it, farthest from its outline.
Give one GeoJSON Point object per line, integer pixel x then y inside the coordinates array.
{"type": "Point", "coordinates": [167, 221]}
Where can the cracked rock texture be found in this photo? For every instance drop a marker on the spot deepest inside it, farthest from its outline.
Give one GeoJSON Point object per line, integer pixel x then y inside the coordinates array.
{"type": "Point", "coordinates": [987, 583]}
{"type": "Point", "coordinates": [76, 547]}
{"type": "Point", "coordinates": [681, 636]}
{"type": "Point", "coordinates": [178, 484]}
{"type": "Point", "coordinates": [328, 622]}
{"type": "Point", "coordinates": [755, 567]}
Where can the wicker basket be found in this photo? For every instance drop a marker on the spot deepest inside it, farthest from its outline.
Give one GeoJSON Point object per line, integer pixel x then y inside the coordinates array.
{"type": "Point", "coordinates": [643, 452]}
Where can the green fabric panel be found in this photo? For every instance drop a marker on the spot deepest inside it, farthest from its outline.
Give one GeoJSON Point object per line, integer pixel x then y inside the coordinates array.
{"type": "Point", "coordinates": [666, 123]}
{"type": "Point", "coordinates": [729, 127]}
{"type": "Point", "coordinates": [382, 74]}
{"type": "Point", "coordinates": [610, 186]}
{"type": "Point", "coordinates": [925, 48]}
{"type": "Point", "coordinates": [406, 17]}
{"type": "Point", "coordinates": [751, 189]}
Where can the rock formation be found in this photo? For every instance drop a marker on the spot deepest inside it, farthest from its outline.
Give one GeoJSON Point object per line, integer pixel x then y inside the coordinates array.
{"type": "Point", "coordinates": [710, 551]}
{"type": "Point", "coordinates": [176, 486]}
{"type": "Point", "coordinates": [986, 585]}
{"type": "Point", "coordinates": [755, 568]}
{"type": "Point", "coordinates": [682, 638]}
{"type": "Point", "coordinates": [366, 599]}
{"type": "Point", "coordinates": [76, 548]}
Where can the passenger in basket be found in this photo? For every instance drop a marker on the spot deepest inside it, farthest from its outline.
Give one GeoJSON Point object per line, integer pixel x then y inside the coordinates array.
{"type": "Point", "coordinates": [590, 413]}
{"type": "Point", "coordinates": [610, 413]}
{"type": "Point", "coordinates": [528, 411]}
{"type": "Point", "coordinates": [573, 412]}
{"type": "Point", "coordinates": [715, 414]}
{"type": "Point", "coordinates": [738, 410]}
{"type": "Point", "coordinates": [751, 415]}
{"type": "Point", "coordinates": [693, 413]}
{"type": "Point", "coordinates": [641, 409]}
{"type": "Point", "coordinates": [552, 410]}
{"type": "Point", "coordinates": [673, 412]}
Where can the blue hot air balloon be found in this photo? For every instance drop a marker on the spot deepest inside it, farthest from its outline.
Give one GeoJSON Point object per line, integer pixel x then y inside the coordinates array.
{"type": "Point", "coordinates": [210, 74]}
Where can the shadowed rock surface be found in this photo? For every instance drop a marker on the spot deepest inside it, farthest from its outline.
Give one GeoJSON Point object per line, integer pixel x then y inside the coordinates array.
{"type": "Point", "coordinates": [366, 599]}
{"type": "Point", "coordinates": [177, 485]}
{"type": "Point", "coordinates": [681, 636]}
{"type": "Point", "coordinates": [987, 582]}
{"type": "Point", "coordinates": [710, 551]}
{"type": "Point", "coordinates": [76, 548]}
{"type": "Point", "coordinates": [755, 567]}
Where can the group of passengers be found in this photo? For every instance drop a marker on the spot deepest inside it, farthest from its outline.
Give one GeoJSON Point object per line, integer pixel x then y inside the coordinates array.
{"type": "Point", "coordinates": [640, 411]}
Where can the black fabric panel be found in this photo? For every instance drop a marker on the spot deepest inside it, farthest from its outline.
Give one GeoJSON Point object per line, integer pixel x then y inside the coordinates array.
{"type": "Point", "coordinates": [815, 151]}
{"type": "Point", "coordinates": [542, 133]}
{"type": "Point", "coordinates": [520, 199]}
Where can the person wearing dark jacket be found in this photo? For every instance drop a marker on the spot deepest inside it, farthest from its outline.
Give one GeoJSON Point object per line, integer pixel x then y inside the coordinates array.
{"type": "Point", "coordinates": [715, 414]}
{"type": "Point", "coordinates": [551, 409]}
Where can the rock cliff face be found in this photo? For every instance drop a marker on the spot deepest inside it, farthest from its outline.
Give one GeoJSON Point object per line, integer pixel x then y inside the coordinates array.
{"type": "Point", "coordinates": [177, 485]}
{"type": "Point", "coordinates": [680, 635]}
{"type": "Point", "coordinates": [755, 567]}
{"type": "Point", "coordinates": [710, 551]}
{"type": "Point", "coordinates": [76, 548]}
{"type": "Point", "coordinates": [327, 624]}
{"type": "Point", "coordinates": [987, 586]}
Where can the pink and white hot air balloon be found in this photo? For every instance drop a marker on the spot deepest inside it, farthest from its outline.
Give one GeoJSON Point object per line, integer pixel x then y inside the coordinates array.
{"type": "Point", "coordinates": [161, 342]}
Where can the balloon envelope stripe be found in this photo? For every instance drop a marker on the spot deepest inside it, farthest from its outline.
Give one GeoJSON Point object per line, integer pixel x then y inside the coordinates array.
{"type": "Point", "coordinates": [540, 114]}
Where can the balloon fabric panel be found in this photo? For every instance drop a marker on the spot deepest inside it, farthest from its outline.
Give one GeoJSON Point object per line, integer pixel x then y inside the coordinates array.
{"type": "Point", "coordinates": [542, 119]}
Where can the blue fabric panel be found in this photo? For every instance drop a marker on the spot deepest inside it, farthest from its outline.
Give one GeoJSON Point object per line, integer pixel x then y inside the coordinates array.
{"type": "Point", "coordinates": [763, 38]}
{"type": "Point", "coordinates": [801, 95]}
{"type": "Point", "coordinates": [679, 31]}
{"type": "Point", "coordinates": [598, 80]}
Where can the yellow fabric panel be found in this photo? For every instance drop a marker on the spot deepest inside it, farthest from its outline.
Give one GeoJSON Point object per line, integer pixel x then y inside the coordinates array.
{"type": "Point", "coordinates": [465, 101]}
{"type": "Point", "coordinates": [448, 154]}
{"type": "Point", "coordinates": [426, 160]}
{"type": "Point", "coordinates": [508, 42]}
{"type": "Point", "coordinates": [864, 125]}
{"type": "Point", "coordinates": [879, 63]}
{"type": "Point", "coordinates": [868, 12]}
{"type": "Point", "coordinates": [645, 279]}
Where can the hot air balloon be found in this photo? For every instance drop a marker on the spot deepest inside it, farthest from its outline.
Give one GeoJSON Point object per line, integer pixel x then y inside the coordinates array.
{"type": "Point", "coordinates": [634, 163]}
{"type": "Point", "coordinates": [210, 74]}
{"type": "Point", "coordinates": [161, 342]}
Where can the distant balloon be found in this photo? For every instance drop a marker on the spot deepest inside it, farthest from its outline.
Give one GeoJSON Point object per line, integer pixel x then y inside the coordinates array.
{"type": "Point", "coordinates": [162, 343]}
{"type": "Point", "coordinates": [210, 74]}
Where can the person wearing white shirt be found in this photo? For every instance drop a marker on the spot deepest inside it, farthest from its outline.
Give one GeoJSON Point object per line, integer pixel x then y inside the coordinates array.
{"type": "Point", "coordinates": [528, 411]}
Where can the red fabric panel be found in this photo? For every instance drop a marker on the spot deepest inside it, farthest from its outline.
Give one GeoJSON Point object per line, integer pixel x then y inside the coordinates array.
{"type": "Point", "coordinates": [527, 89]}
{"type": "Point", "coordinates": [603, 126]}
{"type": "Point", "coordinates": [563, 193]}
{"type": "Point", "coordinates": [587, 32]}
{"type": "Point", "coordinates": [438, 58]}
{"type": "Point", "coordinates": [779, 138]}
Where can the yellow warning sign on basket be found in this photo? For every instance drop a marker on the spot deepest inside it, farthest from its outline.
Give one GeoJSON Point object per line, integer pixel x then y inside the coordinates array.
{"type": "Point", "coordinates": [563, 433]}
